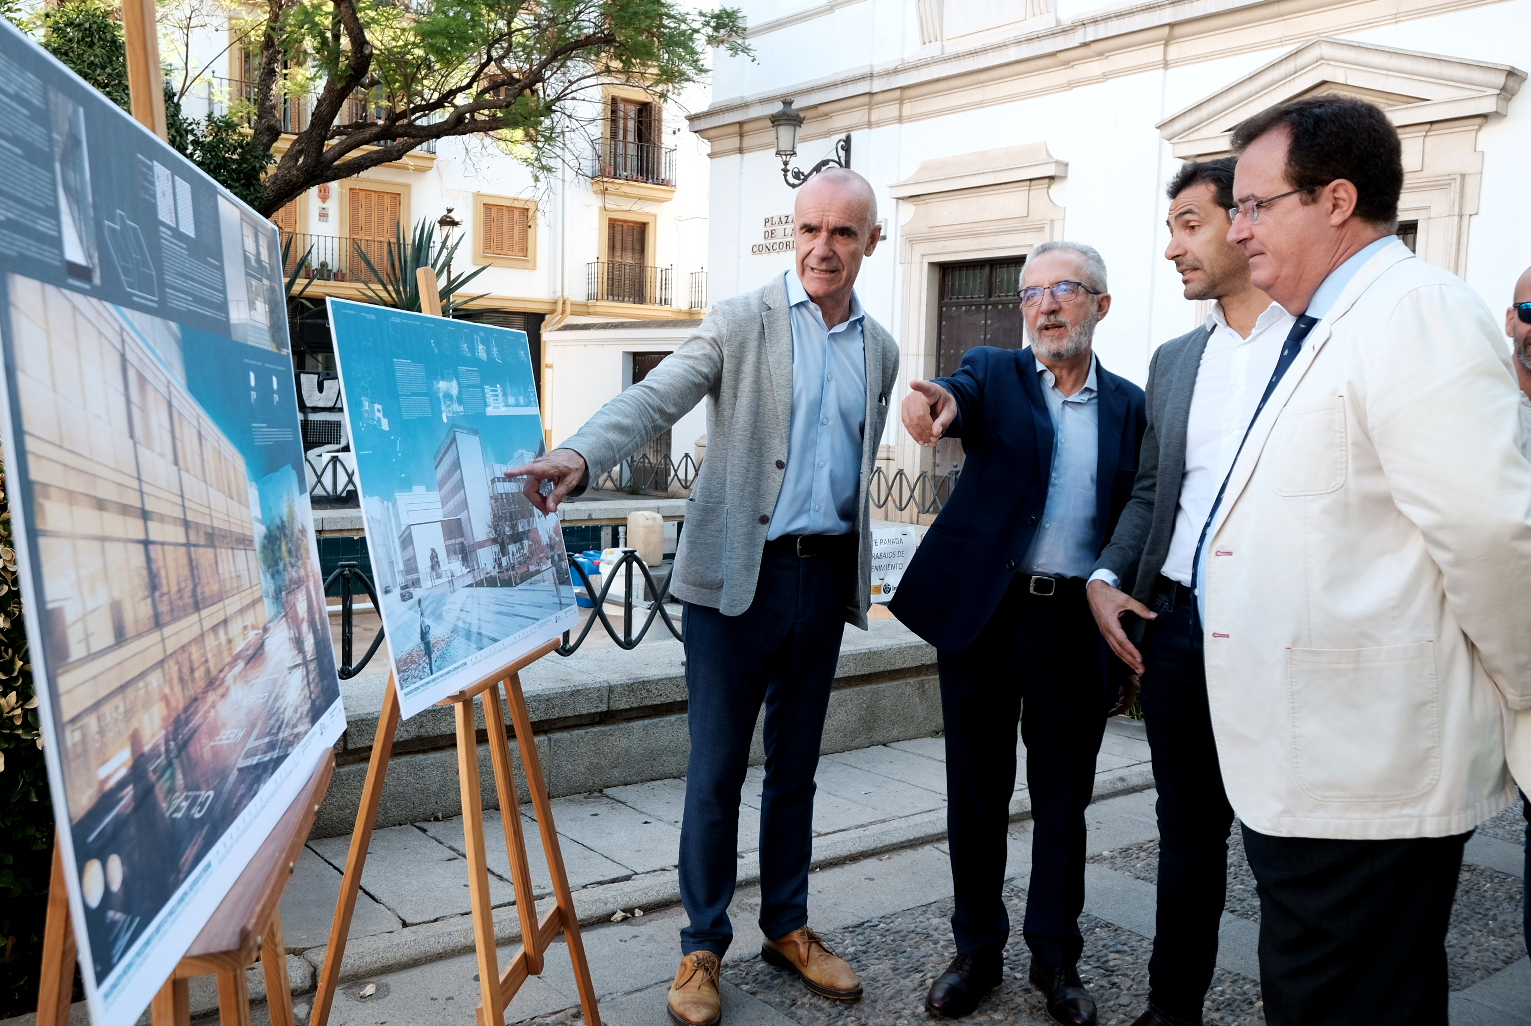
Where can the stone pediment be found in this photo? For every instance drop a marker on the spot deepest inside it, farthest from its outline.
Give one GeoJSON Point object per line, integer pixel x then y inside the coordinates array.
{"type": "Point", "coordinates": [1414, 88]}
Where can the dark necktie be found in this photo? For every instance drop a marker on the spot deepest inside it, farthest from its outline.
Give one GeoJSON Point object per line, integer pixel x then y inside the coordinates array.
{"type": "Point", "coordinates": [1289, 351]}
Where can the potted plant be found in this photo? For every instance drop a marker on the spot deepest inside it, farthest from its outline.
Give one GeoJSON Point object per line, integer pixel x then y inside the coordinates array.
{"type": "Point", "coordinates": [324, 271]}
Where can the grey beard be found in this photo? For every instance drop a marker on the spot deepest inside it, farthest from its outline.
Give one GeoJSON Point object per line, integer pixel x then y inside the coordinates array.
{"type": "Point", "coordinates": [1078, 340]}
{"type": "Point", "coordinates": [1523, 355]}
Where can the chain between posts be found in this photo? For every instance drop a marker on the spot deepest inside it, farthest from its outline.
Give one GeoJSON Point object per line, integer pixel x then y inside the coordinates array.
{"type": "Point", "coordinates": [627, 641]}
{"type": "Point", "coordinates": [348, 572]}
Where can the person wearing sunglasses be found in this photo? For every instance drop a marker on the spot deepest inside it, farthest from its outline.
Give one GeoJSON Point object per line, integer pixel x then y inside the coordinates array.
{"type": "Point", "coordinates": [1517, 325]}
{"type": "Point", "coordinates": [998, 587]}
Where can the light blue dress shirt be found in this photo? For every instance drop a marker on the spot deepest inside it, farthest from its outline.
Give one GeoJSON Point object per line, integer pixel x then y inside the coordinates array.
{"type": "Point", "coordinates": [829, 395]}
{"type": "Point", "coordinates": [1318, 307]}
{"type": "Point", "coordinates": [1064, 545]}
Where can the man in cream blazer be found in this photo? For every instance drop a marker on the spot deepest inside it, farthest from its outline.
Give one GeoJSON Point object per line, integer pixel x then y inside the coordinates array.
{"type": "Point", "coordinates": [1363, 577]}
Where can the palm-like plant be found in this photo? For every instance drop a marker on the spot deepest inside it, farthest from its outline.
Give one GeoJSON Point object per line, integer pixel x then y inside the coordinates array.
{"type": "Point", "coordinates": [396, 283]}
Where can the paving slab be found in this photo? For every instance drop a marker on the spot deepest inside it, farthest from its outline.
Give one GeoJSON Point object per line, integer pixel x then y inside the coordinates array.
{"type": "Point", "coordinates": [308, 905]}
{"type": "Point", "coordinates": [665, 800]}
{"type": "Point", "coordinates": [929, 747]}
{"type": "Point", "coordinates": [583, 866]}
{"type": "Point", "coordinates": [417, 878]}
{"type": "Point", "coordinates": [896, 764]}
{"type": "Point", "coordinates": [831, 812]}
{"type": "Point", "coordinates": [640, 842]}
{"type": "Point", "coordinates": [647, 1008]}
{"type": "Point", "coordinates": [890, 796]}
{"type": "Point", "coordinates": [442, 993]}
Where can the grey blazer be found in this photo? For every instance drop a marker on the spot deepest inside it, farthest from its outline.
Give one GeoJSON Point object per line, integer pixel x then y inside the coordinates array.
{"type": "Point", "coordinates": [740, 359]}
{"type": "Point", "coordinates": [1141, 540]}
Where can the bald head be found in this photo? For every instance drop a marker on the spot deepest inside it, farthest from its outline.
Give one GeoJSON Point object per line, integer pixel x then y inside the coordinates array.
{"type": "Point", "coordinates": [846, 185]}
{"type": "Point", "coordinates": [1519, 329]}
{"type": "Point", "coordinates": [834, 225]}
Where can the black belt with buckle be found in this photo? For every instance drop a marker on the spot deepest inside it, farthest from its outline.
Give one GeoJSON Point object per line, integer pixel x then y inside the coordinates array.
{"type": "Point", "coordinates": [1046, 587]}
{"type": "Point", "coordinates": [805, 545]}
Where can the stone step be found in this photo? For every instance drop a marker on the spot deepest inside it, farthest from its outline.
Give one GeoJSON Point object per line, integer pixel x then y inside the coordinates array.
{"type": "Point", "coordinates": [605, 718]}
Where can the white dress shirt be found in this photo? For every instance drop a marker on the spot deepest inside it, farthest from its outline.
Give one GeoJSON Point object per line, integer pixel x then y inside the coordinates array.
{"type": "Point", "coordinates": [1229, 382]}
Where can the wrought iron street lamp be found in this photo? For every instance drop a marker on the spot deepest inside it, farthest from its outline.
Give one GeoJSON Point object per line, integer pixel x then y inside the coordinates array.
{"type": "Point", "coordinates": [786, 122]}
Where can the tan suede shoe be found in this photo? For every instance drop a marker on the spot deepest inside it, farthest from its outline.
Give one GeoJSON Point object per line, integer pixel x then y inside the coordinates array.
{"type": "Point", "coordinates": [822, 971]}
{"type": "Point", "coordinates": [694, 999]}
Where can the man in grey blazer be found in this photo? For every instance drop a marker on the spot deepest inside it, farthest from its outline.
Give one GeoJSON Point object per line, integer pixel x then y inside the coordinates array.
{"type": "Point", "coordinates": [774, 560]}
{"type": "Point", "coordinates": [1203, 388]}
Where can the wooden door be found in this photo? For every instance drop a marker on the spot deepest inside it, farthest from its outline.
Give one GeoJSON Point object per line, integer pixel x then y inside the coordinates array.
{"type": "Point", "coordinates": [979, 305]}
{"type": "Point", "coordinates": [374, 226]}
{"type": "Point", "coordinates": [633, 136]}
{"type": "Point", "coordinates": [650, 465]}
{"type": "Point", "coordinates": [626, 250]}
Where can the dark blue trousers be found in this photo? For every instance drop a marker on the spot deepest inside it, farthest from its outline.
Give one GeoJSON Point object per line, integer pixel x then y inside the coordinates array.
{"type": "Point", "coordinates": [780, 653]}
{"type": "Point", "coordinates": [1193, 811]}
{"type": "Point", "coordinates": [1045, 650]}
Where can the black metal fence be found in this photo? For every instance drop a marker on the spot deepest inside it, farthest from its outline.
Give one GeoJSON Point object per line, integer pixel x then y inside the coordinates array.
{"type": "Point", "coordinates": [350, 577]}
{"type": "Point", "coordinates": [925, 492]}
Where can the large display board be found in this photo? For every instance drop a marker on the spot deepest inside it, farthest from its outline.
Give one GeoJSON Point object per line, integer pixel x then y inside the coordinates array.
{"type": "Point", "coordinates": [469, 574]}
{"type": "Point", "coordinates": [174, 606]}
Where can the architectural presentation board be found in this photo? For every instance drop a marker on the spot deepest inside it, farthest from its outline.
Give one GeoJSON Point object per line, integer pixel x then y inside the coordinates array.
{"type": "Point", "coordinates": [470, 575]}
{"type": "Point", "coordinates": [174, 606]}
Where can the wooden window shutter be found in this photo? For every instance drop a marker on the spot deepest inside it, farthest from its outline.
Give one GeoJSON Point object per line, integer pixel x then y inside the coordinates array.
{"type": "Point", "coordinates": [626, 241]}
{"type": "Point", "coordinates": [655, 124]}
{"type": "Point", "coordinates": [286, 219]}
{"type": "Point", "coordinates": [505, 230]}
{"type": "Point", "coordinates": [374, 214]}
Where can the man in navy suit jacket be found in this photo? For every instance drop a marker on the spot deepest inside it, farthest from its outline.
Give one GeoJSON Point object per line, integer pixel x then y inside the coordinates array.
{"type": "Point", "coordinates": [998, 587]}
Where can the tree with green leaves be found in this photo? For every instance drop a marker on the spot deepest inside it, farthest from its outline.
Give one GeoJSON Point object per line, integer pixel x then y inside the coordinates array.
{"type": "Point", "coordinates": [433, 69]}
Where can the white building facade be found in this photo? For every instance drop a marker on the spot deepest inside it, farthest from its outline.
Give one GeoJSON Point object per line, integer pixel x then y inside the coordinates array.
{"type": "Point", "coordinates": [988, 127]}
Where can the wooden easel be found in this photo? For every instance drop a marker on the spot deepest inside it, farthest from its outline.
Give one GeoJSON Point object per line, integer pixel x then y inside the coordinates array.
{"type": "Point", "coordinates": [497, 988]}
{"type": "Point", "coordinates": [245, 928]}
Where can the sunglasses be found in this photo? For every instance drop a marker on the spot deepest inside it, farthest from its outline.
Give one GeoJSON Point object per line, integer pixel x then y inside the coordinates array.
{"type": "Point", "coordinates": [1523, 311]}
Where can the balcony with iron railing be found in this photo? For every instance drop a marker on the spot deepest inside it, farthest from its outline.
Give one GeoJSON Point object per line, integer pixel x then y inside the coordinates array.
{"type": "Point", "coordinates": [644, 163]}
{"type": "Point", "coordinates": [335, 258]}
{"type": "Point", "coordinates": [613, 281]}
{"type": "Point", "coordinates": [698, 290]}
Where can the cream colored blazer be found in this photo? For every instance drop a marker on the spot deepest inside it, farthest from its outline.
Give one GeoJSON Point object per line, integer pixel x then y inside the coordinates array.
{"type": "Point", "coordinates": [1369, 582]}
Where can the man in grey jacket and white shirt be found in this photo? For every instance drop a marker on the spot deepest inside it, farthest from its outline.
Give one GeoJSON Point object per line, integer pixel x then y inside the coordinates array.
{"type": "Point", "coordinates": [1202, 392]}
{"type": "Point", "coordinates": [774, 559]}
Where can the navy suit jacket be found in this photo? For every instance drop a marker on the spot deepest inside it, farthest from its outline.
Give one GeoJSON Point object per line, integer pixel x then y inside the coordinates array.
{"type": "Point", "coordinates": [973, 551]}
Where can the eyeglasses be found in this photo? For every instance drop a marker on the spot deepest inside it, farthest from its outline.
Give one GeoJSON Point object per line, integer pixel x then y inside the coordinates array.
{"type": "Point", "coordinates": [1523, 311]}
{"type": "Point", "coordinates": [1252, 208]}
{"type": "Point", "coordinates": [1062, 291]}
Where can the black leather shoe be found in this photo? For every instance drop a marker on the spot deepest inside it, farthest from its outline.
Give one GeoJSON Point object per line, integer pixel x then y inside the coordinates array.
{"type": "Point", "coordinates": [1068, 1003]}
{"type": "Point", "coordinates": [957, 991]}
{"type": "Point", "coordinates": [1153, 1018]}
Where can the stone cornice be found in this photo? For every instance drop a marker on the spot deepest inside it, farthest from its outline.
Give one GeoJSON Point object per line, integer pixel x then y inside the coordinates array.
{"type": "Point", "coordinates": [1144, 37]}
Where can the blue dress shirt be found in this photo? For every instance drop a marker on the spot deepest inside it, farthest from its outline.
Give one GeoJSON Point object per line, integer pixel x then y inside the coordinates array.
{"type": "Point", "coordinates": [1064, 545]}
{"type": "Point", "coordinates": [829, 395]}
